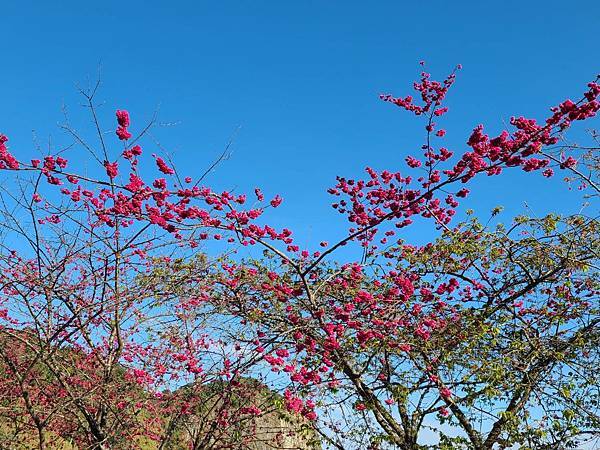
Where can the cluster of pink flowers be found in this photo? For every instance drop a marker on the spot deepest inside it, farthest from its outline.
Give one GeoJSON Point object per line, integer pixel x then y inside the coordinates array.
{"type": "Point", "coordinates": [163, 167]}
{"type": "Point", "coordinates": [251, 410]}
{"type": "Point", "coordinates": [446, 393]}
{"type": "Point", "coordinates": [7, 160]}
{"type": "Point", "coordinates": [432, 94]}
{"type": "Point", "coordinates": [123, 121]}
{"type": "Point", "coordinates": [112, 169]}
{"type": "Point", "coordinates": [297, 405]}
{"type": "Point", "coordinates": [139, 376]}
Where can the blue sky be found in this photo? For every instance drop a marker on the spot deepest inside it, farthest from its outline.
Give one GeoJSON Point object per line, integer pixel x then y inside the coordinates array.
{"type": "Point", "coordinates": [302, 80]}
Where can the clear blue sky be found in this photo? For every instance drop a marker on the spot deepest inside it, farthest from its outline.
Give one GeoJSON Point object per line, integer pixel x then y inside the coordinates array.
{"type": "Point", "coordinates": [301, 78]}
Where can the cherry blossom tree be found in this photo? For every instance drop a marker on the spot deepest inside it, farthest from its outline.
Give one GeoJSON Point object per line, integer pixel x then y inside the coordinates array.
{"type": "Point", "coordinates": [90, 354]}
{"type": "Point", "coordinates": [486, 336]}
{"type": "Point", "coordinates": [116, 331]}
